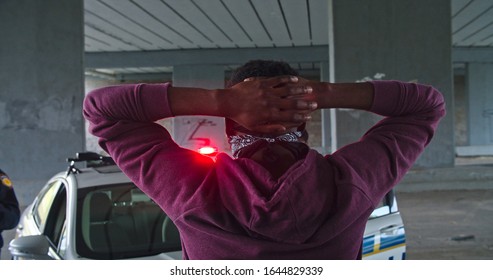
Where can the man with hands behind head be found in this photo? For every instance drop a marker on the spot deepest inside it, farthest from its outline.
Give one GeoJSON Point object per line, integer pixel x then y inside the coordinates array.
{"type": "Point", "coordinates": [276, 198]}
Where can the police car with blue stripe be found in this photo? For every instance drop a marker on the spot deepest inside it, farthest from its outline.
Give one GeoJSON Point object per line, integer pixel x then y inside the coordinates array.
{"type": "Point", "coordinates": [385, 236]}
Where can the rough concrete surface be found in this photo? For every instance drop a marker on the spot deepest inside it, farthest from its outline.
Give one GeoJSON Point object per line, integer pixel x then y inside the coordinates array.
{"type": "Point", "coordinates": [448, 225]}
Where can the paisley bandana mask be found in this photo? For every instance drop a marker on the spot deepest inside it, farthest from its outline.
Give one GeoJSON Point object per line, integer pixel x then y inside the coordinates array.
{"type": "Point", "coordinates": [238, 142]}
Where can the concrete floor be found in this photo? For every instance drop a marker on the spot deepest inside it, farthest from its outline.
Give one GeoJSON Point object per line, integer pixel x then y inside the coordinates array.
{"type": "Point", "coordinates": [448, 225]}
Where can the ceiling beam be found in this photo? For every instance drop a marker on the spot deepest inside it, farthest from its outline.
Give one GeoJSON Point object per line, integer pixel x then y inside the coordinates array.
{"type": "Point", "coordinates": [236, 56]}
{"type": "Point", "coordinates": [160, 76]}
{"type": "Point", "coordinates": [475, 54]}
{"type": "Point", "coordinates": [168, 76]}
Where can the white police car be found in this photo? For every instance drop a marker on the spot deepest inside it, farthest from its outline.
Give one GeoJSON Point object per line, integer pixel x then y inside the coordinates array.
{"type": "Point", "coordinates": [98, 213]}
{"type": "Point", "coordinates": [385, 237]}
{"type": "Point", "coordinates": [94, 213]}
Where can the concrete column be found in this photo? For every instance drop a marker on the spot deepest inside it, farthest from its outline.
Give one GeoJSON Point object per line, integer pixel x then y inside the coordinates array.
{"type": "Point", "coordinates": [91, 141]}
{"type": "Point", "coordinates": [41, 89]}
{"type": "Point", "coordinates": [400, 40]}
{"type": "Point", "coordinates": [479, 89]}
{"type": "Point", "coordinates": [327, 115]}
{"type": "Point", "coordinates": [197, 131]}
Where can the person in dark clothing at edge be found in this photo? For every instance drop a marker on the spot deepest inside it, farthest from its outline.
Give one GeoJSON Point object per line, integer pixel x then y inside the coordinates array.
{"type": "Point", "coordinates": [9, 206]}
{"type": "Point", "coordinates": [276, 199]}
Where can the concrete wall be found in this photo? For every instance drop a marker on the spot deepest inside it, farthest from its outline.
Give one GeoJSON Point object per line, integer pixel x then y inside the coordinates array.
{"type": "Point", "coordinates": [194, 132]}
{"type": "Point", "coordinates": [404, 40]}
{"type": "Point", "coordinates": [91, 83]}
{"type": "Point", "coordinates": [479, 88]}
{"type": "Point", "coordinates": [41, 89]}
{"type": "Point", "coordinates": [460, 112]}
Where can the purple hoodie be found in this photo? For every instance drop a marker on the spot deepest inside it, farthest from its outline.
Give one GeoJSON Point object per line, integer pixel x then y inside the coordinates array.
{"type": "Point", "coordinates": [233, 208]}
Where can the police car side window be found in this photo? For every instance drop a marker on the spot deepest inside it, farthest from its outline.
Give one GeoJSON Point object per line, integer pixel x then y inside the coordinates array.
{"type": "Point", "coordinates": [62, 245]}
{"type": "Point", "coordinates": [44, 203]}
{"type": "Point", "coordinates": [56, 217]}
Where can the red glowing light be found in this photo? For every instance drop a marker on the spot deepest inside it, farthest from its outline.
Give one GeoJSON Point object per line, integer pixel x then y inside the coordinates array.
{"type": "Point", "coordinates": [208, 151]}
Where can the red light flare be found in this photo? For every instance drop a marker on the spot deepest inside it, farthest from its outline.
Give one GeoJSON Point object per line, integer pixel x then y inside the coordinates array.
{"type": "Point", "coordinates": [208, 151]}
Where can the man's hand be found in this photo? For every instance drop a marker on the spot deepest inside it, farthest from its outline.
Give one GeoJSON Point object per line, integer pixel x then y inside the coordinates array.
{"type": "Point", "coordinates": [268, 105]}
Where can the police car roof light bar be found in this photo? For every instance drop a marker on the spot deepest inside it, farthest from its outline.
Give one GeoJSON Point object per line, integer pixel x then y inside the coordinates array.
{"type": "Point", "coordinates": [92, 160]}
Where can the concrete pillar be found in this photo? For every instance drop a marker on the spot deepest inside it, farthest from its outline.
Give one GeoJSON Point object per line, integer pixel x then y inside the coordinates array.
{"type": "Point", "coordinates": [328, 124]}
{"type": "Point", "coordinates": [41, 89]}
{"type": "Point", "coordinates": [400, 40]}
{"type": "Point", "coordinates": [479, 88]}
{"type": "Point", "coordinates": [194, 132]}
{"type": "Point", "coordinates": [90, 84]}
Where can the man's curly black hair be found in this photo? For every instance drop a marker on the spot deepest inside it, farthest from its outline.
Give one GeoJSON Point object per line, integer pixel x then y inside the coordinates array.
{"type": "Point", "coordinates": [260, 68]}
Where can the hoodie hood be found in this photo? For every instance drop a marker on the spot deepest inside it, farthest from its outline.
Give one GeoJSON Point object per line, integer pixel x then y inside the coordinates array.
{"type": "Point", "coordinates": [282, 210]}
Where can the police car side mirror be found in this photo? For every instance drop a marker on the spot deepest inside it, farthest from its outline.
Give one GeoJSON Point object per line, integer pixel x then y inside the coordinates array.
{"type": "Point", "coordinates": [33, 247]}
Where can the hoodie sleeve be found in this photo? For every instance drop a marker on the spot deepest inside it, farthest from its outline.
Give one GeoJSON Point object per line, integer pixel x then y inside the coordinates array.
{"type": "Point", "coordinates": [379, 160]}
{"type": "Point", "coordinates": [123, 118]}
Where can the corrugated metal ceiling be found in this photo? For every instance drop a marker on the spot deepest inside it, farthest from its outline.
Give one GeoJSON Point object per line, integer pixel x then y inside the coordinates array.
{"type": "Point", "coordinates": [472, 23]}
{"type": "Point", "coordinates": [150, 25]}
{"type": "Point", "coordinates": [141, 25]}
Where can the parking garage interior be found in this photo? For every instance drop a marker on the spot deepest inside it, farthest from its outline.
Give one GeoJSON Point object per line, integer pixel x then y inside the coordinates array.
{"type": "Point", "coordinates": [53, 52]}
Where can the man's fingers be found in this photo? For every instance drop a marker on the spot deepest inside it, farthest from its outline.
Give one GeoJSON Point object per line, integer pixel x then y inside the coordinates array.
{"type": "Point", "coordinates": [278, 81]}
{"type": "Point", "coordinates": [298, 117]}
{"type": "Point", "coordinates": [306, 105]}
{"type": "Point", "coordinates": [290, 116]}
{"type": "Point", "coordinates": [283, 86]}
{"type": "Point", "coordinates": [291, 91]}
{"type": "Point", "coordinates": [300, 90]}
{"type": "Point", "coordinates": [296, 104]}
{"type": "Point", "coordinates": [299, 104]}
